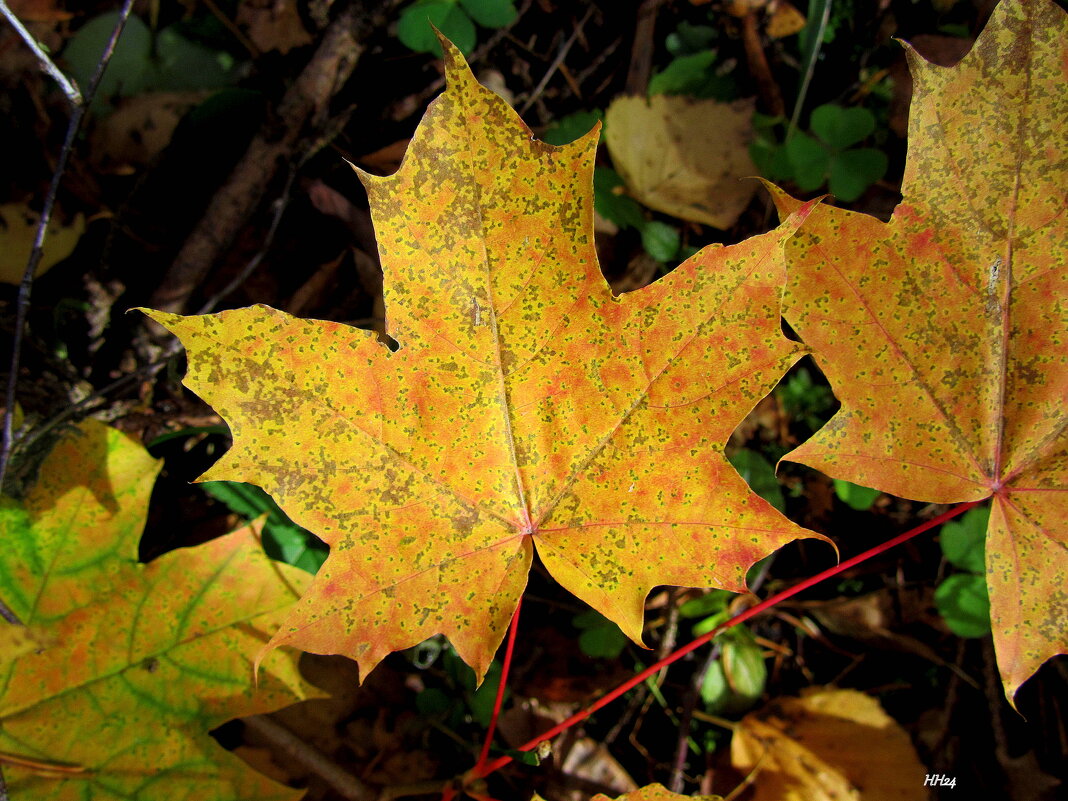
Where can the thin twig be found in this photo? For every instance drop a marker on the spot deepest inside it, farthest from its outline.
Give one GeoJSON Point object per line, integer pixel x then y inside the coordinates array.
{"type": "Point", "coordinates": [311, 758]}
{"type": "Point", "coordinates": [682, 746]}
{"type": "Point", "coordinates": [560, 56]}
{"type": "Point", "coordinates": [69, 87]}
{"type": "Point", "coordinates": [810, 68]}
{"type": "Point", "coordinates": [23, 303]}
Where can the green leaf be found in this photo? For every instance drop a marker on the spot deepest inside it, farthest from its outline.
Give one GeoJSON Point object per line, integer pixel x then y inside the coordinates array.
{"type": "Point", "coordinates": [567, 129]}
{"type": "Point", "coordinates": [855, 496]}
{"type": "Point", "coordinates": [481, 701]}
{"type": "Point", "coordinates": [963, 602]}
{"type": "Point", "coordinates": [735, 681]}
{"type": "Point", "coordinates": [433, 702]}
{"type": "Point", "coordinates": [963, 541]}
{"type": "Point", "coordinates": [283, 539]}
{"type": "Point", "coordinates": [139, 64]}
{"type": "Point", "coordinates": [711, 602]}
{"type": "Point", "coordinates": [689, 39]}
{"type": "Point", "coordinates": [600, 637]}
{"type": "Point", "coordinates": [128, 72]}
{"type": "Point", "coordinates": [853, 171]}
{"type": "Point", "coordinates": [759, 475]}
{"type": "Point", "coordinates": [491, 13]}
{"type": "Point", "coordinates": [842, 127]}
{"type": "Point", "coordinates": [415, 31]}
{"type": "Point", "coordinates": [614, 205]}
{"type": "Point", "coordinates": [683, 75]}
{"type": "Point", "coordinates": [660, 240]}
{"type": "Point", "coordinates": [809, 161]}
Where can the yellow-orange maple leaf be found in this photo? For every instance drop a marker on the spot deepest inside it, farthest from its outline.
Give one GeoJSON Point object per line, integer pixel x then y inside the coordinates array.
{"type": "Point", "coordinates": [526, 406]}
{"type": "Point", "coordinates": [945, 331]}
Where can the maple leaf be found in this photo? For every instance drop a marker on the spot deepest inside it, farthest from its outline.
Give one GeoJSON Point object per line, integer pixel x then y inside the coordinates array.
{"type": "Point", "coordinates": [943, 331]}
{"type": "Point", "coordinates": [122, 669]}
{"type": "Point", "coordinates": [525, 408]}
{"type": "Point", "coordinates": [828, 745]}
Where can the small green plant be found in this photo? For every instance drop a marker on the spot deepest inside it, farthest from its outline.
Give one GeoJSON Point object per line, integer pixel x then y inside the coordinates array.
{"type": "Point", "coordinates": [600, 637]}
{"type": "Point", "coordinates": [283, 539]}
{"type": "Point", "coordinates": [962, 598]}
{"type": "Point", "coordinates": [826, 156]}
{"type": "Point", "coordinates": [855, 496]}
{"type": "Point", "coordinates": [735, 681]}
{"type": "Point", "coordinates": [455, 19]}
{"type": "Point", "coordinates": [462, 699]}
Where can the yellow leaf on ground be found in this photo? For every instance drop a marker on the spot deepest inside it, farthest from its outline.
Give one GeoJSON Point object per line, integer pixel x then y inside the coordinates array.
{"type": "Point", "coordinates": [684, 157]}
{"type": "Point", "coordinates": [132, 665]}
{"type": "Point", "coordinates": [18, 227]}
{"type": "Point", "coordinates": [830, 745]}
{"type": "Point", "coordinates": [943, 331]}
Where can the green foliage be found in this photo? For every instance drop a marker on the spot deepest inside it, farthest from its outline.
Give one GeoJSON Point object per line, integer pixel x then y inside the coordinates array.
{"type": "Point", "coordinates": [962, 598]}
{"type": "Point", "coordinates": [735, 682]}
{"type": "Point", "coordinates": [825, 156]}
{"type": "Point", "coordinates": [454, 18]}
{"type": "Point", "coordinates": [600, 637]}
{"type": "Point", "coordinates": [963, 541]}
{"type": "Point", "coordinates": [692, 69]}
{"type": "Point", "coordinates": [462, 700]}
{"type": "Point", "coordinates": [711, 608]}
{"type": "Point", "coordinates": [804, 400]}
{"type": "Point", "coordinates": [855, 496]}
{"type": "Point", "coordinates": [759, 475]}
{"type": "Point", "coordinates": [567, 129]}
{"type": "Point", "coordinates": [144, 62]}
{"type": "Point", "coordinates": [660, 240]}
{"type": "Point", "coordinates": [283, 539]}
{"type": "Point", "coordinates": [964, 604]}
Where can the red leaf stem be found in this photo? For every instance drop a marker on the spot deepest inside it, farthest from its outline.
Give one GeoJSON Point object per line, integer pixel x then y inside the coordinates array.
{"type": "Point", "coordinates": [482, 770]}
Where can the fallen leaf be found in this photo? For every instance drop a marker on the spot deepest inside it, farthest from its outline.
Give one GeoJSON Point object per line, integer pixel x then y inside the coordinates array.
{"type": "Point", "coordinates": [785, 20]}
{"type": "Point", "coordinates": [942, 331]}
{"type": "Point", "coordinates": [135, 663]}
{"type": "Point", "coordinates": [18, 228]}
{"type": "Point", "coordinates": [830, 745]}
{"type": "Point", "coordinates": [663, 149]}
{"type": "Point", "coordinates": [273, 25]}
{"type": "Point", "coordinates": [525, 407]}
{"type": "Point", "coordinates": [139, 128]}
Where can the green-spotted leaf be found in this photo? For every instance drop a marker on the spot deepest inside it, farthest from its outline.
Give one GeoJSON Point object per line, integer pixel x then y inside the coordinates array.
{"type": "Point", "coordinates": [135, 663]}
{"type": "Point", "coordinates": [942, 331]}
{"type": "Point", "coordinates": [525, 407]}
